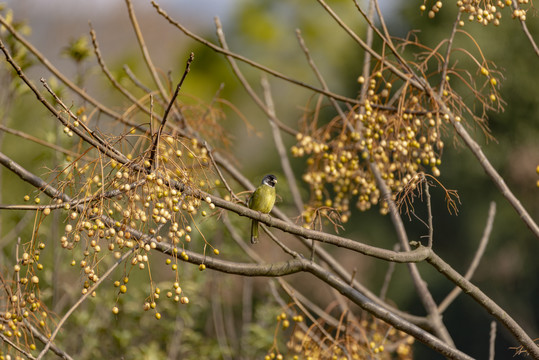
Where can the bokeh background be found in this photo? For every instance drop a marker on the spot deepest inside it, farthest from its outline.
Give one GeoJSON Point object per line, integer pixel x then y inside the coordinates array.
{"type": "Point", "coordinates": [264, 31]}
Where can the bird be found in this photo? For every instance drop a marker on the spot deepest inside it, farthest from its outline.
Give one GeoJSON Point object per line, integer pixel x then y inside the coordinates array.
{"type": "Point", "coordinates": [262, 200]}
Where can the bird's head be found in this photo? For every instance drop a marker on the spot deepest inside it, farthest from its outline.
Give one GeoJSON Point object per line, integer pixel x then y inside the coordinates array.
{"type": "Point", "coordinates": [269, 180]}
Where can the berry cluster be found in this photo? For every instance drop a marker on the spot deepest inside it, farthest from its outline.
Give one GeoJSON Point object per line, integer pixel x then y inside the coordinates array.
{"type": "Point", "coordinates": [377, 340]}
{"type": "Point", "coordinates": [484, 12]}
{"type": "Point", "coordinates": [130, 208]}
{"type": "Point", "coordinates": [340, 155]}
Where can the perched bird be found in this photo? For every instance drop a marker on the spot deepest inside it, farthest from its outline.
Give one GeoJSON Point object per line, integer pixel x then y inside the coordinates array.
{"type": "Point", "coordinates": [262, 200]}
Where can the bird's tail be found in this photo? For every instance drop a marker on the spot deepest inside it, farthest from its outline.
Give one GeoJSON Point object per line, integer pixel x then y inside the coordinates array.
{"type": "Point", "coordinates": [254, 232]}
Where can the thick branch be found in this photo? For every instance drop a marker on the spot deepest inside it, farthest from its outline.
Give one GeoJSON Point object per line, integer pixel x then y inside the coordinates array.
{"type": "Point", "coordinates": [486, 302]}
{"type": "Point", "coordinates": [297, 265]}
{"type": "Point", "coordinates": [300, 264]}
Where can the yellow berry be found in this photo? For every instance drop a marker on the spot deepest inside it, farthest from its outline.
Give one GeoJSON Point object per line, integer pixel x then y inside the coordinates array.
{"type": "Point", "coordinates": [286, 324]}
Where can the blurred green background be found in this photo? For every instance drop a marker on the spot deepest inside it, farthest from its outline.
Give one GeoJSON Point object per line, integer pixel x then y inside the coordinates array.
{"type": "Point", "coordinates": [265, 32]}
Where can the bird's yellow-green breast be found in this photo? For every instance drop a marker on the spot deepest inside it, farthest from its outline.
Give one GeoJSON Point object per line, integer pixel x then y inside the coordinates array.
{"type": "Point", "coordinates": [262, 199]}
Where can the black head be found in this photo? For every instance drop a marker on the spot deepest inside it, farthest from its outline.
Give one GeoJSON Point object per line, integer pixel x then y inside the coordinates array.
{"type": "Point", "coordinates": [269, 180]}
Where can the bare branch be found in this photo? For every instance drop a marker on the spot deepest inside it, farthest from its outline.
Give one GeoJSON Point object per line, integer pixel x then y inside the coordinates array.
{"type": "Point", "coordinates": [489, 169]}
{"type": "Point", "coordinates": [81, 300]}
{"type": "Point", "coordinates": [492, 341]}
{"type": "Point", "coordinates": [296, 265]}
{"type": "Point", "coordinates": [476, 259]}
{"type": "Point", "coordinates": [246, 60]}
{"type": "Point", "coordinates": [514, 4]}
{"type": "Point", "coordinates": [144, 49]}
{"type": "Point", "coordinates": [16, 347]}
{"type": "Point", "coordinates": [57, 73]}
{"type": "Point", "coordinates": [153, 149]}
{"type": "Point", "coordinates": [279, 144]}
{"type": "Point", "coordinates": [420, 285]}
{"type": "Point", "coordinates": [111, 78]}
{"type": "Point", "coordinates": [29, 137]}
{"type": "Point", "coordinates": [429, 214]}
{"type": "Point", "coordinates": [485, 302]}
{"type": "Point", "coordinates": [44, 339]}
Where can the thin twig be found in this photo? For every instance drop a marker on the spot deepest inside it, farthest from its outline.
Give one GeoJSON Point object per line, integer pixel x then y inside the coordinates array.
{"type": "Point", "coordinates": [101, 143]}
{"type": "Point", "coordinates": [90, 137]}
{"type": "Point", "coordinates": [447, 54]}
{"type": "Point", "coordinates": [301, 301]}
{"type": "Point", "coordinates": [73, 202]}
{"type": "Point", "coordinates": [420, 285]}
{"type": "Point", "coordinates": [44, 339]}
{"type": "Point", "coordinates": [293, 293]}
{"type": "Point", "coordinates": [429, 213]}
{"type": "Point", "coordinates": [526, 31]}
{"type": "Point", "coordinates": [135, 80]}
{"type": "Point", "coordinates": [367, 57]}
{"type": "Point", "coordinates": [42, 59]}
{"type": "Point", "coordinates": [476, 259]}
{"type": "Point", "coordinates": [248, 61]}
{"type": "Point", "coordinates": [109, 76]}
{"type": "Point", "coordinates": [482, 299]}
{"type": "Point", "coordinates": [153, 149]}
{"type": "Point", "coordinates": [297, 265]}
{"type": "Point", "coordinates": [244, 82]}
{"type": "Point", "coordinates": [389, 275]}
{"type": "Point", "coordinates": [144, 49]}
{"type": "Point", "coordinates": [492, 341]}
{"type": "Point", "coordinates": [38, 141]}
{"type": "Point", "coordinates": [489, 169]}
{"type": "Point", "coordinates": [404, 76]}
{"type": "Point", "coordinates": [218, 320]}
{"type": "Point", "coordinates": [387, 37]}
{"type": "Point", "coordinates": [219, 172]}
{"type": "Point", "coordinates": [81, 300]}
{"type": "Point", "coordinates": [281, 150]}
{"type": "Point", "coordinates": [15, 346]}
{"type": "Point", "coordinates": [319, 76]}
{"type": "Point", "coordinates": [285, 248]}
